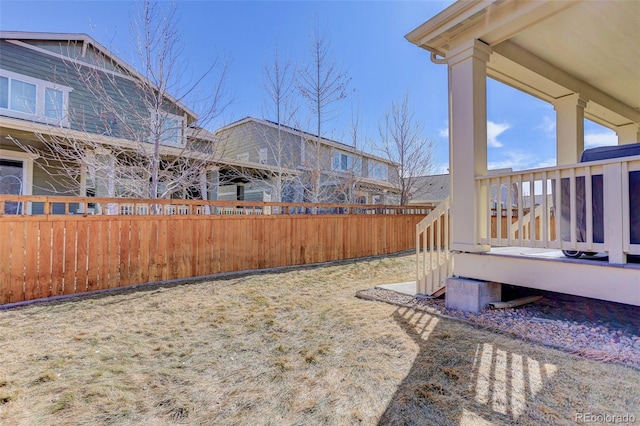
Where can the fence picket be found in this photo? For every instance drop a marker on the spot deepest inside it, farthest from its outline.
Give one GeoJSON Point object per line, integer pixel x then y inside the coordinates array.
{"type": "Point", "coordinates": [16, 288]}
{"type": "Point", "coordinates": [32, 240]}
{"type": "Point", "coordinates": [45, 248]}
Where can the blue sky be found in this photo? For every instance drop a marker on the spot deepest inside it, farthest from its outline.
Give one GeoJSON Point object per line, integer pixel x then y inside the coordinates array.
{"type": "Point", "coordinates": [367, 40]}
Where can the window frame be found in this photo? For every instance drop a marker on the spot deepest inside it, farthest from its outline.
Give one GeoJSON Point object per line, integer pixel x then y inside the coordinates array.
{"type": "Point", "coordinates": [374, 165]}
{"type": "Point", "coordinates": [351, 163]}
{"type": "Point", "coordinates": [168, 116]}
{"type": "Point", "coordinates": [39, 113]}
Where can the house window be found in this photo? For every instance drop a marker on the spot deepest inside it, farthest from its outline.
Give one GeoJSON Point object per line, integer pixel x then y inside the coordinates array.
{"type": "Point", "coordinates": [53, 103]}
{"type": "Point", "coordinates": [263, 155]}
{"type": "Point", "coordinates": [345, 162]}
{"type": "Point", "coordinates": [19, 95]}
{"type": "Point", "coordinates": [377, 170]}
{"type": "Point", "coordinates": [169, 128]}
{"type": "Point", "coordinates": [33, 99]}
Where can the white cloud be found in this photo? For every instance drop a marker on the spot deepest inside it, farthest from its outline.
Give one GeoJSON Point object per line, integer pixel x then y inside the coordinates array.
{"type": "Point", "coordinates": [592, 140]}
{"type": "Point", "coordinates": [549, 162]}
{"type": "Point", "coordinates": [520, 160]}
{"type": "Point", "coordinates": [548, 125]}
{"type": "Point", "coordinates": [493, 131]}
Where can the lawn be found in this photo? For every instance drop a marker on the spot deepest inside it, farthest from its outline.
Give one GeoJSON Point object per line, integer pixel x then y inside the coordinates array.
{"type": "Point", "coordinates": [288, 347]}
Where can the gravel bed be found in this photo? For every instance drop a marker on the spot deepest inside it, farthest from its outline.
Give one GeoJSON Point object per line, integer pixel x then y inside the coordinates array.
{"type": "Point", "coordinates": [590, 328]}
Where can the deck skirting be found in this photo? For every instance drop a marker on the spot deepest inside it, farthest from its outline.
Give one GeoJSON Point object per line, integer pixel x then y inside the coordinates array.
{"type": "Point", "coordinates": [595, 279]}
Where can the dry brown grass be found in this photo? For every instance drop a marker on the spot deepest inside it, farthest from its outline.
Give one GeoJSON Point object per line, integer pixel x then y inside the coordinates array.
{"type": "Point", "coordinates": [293, 347]}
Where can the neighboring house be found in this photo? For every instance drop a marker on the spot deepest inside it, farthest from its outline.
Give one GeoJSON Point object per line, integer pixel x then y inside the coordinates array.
{"type": "Point", "coordinates": [96, 140]}
{"type": "Point", "coordinates": [431, 189]}
{"type": "Point", "coordinates": [346, 174]}
{"type": "Point", "coordinates": [557, 52]}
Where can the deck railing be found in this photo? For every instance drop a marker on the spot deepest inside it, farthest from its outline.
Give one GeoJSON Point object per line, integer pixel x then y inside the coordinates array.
{"type": "Point", "coordinates": [589, 207]}
{"type": "Point", "coordinates": [433, 258]}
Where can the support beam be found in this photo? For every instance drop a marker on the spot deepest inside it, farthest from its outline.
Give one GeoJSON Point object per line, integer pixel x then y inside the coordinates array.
{"type": "Point", "coordinates": [569, 128]}
{"type": "Point", "coordinates": [468, 144]}
{"type": "Point", "coordinates": [629, 133]}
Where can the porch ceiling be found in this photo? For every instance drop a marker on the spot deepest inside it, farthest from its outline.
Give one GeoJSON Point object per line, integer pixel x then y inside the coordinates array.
{"type": "Point", "coordinates": [552, 49]}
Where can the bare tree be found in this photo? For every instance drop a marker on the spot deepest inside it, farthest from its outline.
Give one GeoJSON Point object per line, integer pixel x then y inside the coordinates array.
{"type": "Point", "coordinates": [402, 141]}
{"type": "Point", "coordinates": [348, 177]}
{"type": "Point", "coordinates": [143, 141]}
{"type": "Point", "coordinates": [278, 84]}
{"type": "Point", "coordinates": [322, 84]}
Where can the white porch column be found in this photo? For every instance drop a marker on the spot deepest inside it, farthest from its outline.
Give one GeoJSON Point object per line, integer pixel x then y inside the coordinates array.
{"type": "Point", "coordinates": [468, 144]}
{"type": "Point", "coordinates": [629, 133]}
{"type": "Point", "coordinates": [569, 128]}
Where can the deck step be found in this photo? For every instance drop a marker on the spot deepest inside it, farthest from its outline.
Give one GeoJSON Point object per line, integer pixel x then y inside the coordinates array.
{"type": "Point", "coordinates": [435, 295]}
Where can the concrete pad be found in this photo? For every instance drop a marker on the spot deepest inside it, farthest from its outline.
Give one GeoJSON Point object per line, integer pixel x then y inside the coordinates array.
{"type": "Point", "coordinates": [471, 295]}
{"type": "Point", "coordinates": [408, 288]}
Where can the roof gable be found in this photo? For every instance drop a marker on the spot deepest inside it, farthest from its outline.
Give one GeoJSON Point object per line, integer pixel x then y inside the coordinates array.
{"type": "Point", "coordinates": [83, 49]}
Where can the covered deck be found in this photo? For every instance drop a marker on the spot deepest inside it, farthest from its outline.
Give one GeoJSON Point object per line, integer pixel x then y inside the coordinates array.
{"type": "Point", "coordinates": [583, 58]}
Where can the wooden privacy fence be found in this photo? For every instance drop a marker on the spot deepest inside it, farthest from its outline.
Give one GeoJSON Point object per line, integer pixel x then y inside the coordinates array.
{"type": "Point", "coordinates": [44, 255]}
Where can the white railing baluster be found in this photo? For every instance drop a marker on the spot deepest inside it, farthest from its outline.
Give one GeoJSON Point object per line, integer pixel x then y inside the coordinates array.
{"type": "Point", "coordinates": [626, 221]}
{"type": "Point", "coordinates": [544, 220]}
{"type": "Point", "coordinates": [520, 211]}
{"type": "Point", "coordinates": [433, 232]}
{"type": "Point", "coordinates": [510, 209]}
{"type": "Point", "coordinates": [588, 191]}
{"type": "Point", "coordinates": [572, 209]}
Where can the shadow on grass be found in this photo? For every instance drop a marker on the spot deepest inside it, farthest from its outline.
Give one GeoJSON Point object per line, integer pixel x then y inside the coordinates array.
{"type": "Point", "coordinates": [461, 378]}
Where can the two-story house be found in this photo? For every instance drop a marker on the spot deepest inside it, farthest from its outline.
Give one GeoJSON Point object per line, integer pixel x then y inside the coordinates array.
{"type": "Point", "coordinates": [77, 120]}
{"type": "Point", "coordinates": [345, 174]}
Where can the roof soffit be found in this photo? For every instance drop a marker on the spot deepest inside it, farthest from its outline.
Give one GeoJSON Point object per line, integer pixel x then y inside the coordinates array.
{"type": "Point", "coordinates": [491, 21]}
{"type": "Point", "coordinates": [553, 48]}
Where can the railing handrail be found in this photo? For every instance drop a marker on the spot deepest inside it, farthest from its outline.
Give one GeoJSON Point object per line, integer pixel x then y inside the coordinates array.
{"type": "Point", "coordinates": [436, 264]}
{"type": "Point", "coordinates": [590, 164]}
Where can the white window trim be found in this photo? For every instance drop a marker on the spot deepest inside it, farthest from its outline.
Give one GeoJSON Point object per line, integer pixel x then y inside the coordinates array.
{"type": "Point", "coordinates": [183, 134]}
{"type": "Point", "coordinates": [41, 86]}
{"type": "Point", "coordinates": [356, 162]}
{"type": "Point", "coordinates": [372, 165]}
{"type": "Point", "coordinates": [27, 167]}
